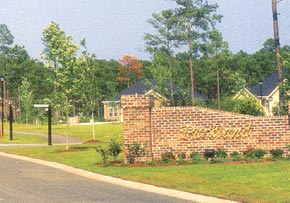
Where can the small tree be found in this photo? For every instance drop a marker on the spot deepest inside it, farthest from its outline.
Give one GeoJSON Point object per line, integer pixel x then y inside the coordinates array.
{"type": "Point", "coordinates": [248, 106]}
{"type": "Point", "coordinates": [26, 98]}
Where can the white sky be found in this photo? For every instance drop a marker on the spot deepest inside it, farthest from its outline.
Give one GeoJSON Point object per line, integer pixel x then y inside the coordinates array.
{"type": "Point", "coordinates": [114, 28]}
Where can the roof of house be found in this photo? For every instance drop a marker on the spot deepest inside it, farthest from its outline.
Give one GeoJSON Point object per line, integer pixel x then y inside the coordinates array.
{"type": "Point", "coordinates": [267, 86]}
{"type": "Point", "coordinates": [143, 86]}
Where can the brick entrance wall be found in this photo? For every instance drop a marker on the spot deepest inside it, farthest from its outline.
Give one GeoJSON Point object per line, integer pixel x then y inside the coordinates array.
{"type": "Point", "coordinates": [194, 129]}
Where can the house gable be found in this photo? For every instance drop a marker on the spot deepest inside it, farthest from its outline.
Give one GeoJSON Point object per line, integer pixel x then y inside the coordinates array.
{"type": "Point", "coordinates": [266, 92]}
{"type": "Point", "coordinates": [266, 86]}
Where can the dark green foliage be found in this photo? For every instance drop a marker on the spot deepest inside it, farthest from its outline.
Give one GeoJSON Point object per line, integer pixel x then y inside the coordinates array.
{"type": "Point", "coordinates": [196, 158]}
{"type": "Point", "coordinates": [181, 158]}
{"type": "Point", "coordinates": [236, 156]}
{"type": "Point", "coordinates": [248, 106]}
{"type": "Point", "coordinates": [254, 153]}
{"type": "Point", "coordinates": [167, 157]}
{"type": "Point", "coordinates": [135, 150]}
{"type": "Point", "coordinates": [112, 151]}
{"type": "Point", "coordinates": [276, 153]}
{"type": "Point", "coordinates": [248, 153]}
{"type": "Point", "coordinates": [181, 155]}
{"type": "Point", "coordinates": [104, 152]}
{"type": "Point", "coordinates": [115, 148]}
{"type": "Point", "coordinates": [221, 154]}
{"type": "Point", "coordinates": [258, 153]}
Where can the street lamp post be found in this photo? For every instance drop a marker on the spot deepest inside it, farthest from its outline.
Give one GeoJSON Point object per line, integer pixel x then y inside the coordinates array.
{"type": "Point", "coordinates": [11, 121]}
{"type": "Point", "coordinates": [48, 109]}
{"type": "Point", "coordinates": [2, 105]}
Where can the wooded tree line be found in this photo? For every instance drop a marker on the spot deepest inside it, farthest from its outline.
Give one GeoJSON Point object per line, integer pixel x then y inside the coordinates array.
{"type": "Point", "coordinates": [186, 49]}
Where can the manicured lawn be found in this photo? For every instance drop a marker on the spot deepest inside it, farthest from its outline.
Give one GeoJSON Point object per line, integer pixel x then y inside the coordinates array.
{"type": "Point", "coordinates": [104, 132]}
{"type": "Point", "coordinates": [22, 139]}
{"type": "Point", "coordinates": [265, 182]}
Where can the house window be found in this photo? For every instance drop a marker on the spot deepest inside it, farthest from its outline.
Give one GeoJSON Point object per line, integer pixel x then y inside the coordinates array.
{"type": "Point", "coordinates": [113, 111]}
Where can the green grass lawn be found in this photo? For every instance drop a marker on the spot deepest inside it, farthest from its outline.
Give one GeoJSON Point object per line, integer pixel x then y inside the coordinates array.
{"type": "Point", "coordinates": [23, 139]}
{"type": "Point", "coordinates": [265, 182]}
{"type": "Point", "coordinates": [103, 132]}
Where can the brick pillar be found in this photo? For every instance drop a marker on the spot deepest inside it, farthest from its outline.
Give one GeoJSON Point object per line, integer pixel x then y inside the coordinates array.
{"type": "Point", "coordinates": [137, 122]}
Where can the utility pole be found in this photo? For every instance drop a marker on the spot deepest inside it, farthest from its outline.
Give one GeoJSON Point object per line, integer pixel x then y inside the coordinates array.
{"type": "Point", "coordinates": [277, 50]}
{"type": "Point", "coordinates": [190, 54]}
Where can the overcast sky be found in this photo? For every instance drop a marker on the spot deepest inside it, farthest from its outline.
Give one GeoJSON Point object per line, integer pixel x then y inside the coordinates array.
{"type": "Point", "coordinates": [114, 28]}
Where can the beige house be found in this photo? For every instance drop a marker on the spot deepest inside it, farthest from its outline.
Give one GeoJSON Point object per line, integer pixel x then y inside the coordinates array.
{"type": "Point", "coordinates": [265, 92]}
{"type": "Point", "coordinates": [113, 110]}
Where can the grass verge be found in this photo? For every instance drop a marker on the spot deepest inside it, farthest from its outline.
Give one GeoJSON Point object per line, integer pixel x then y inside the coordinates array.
{"type": "Point", "coordinates": [22, 139]}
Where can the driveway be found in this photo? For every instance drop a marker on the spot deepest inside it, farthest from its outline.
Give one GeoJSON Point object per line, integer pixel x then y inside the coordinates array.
{"type": "Point", "coordinates": [30, 180]}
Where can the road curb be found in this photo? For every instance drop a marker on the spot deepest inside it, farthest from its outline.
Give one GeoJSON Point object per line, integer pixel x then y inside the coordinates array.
{"type": "Point", "coordinates": [125, 183]}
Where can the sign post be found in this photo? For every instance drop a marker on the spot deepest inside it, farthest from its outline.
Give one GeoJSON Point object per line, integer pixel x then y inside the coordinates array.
{"type": "Point", "coordinates": [48, 107]}
{"type": "Point", "coordinates": [11, 121]}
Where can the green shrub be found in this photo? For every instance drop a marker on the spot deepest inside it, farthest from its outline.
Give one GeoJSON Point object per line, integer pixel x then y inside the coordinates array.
{"type": "Point", "coordinates": [104, 152]}
{"type": "Point", "coordinates": [196, 158]}
{"type": "Point", "coordinates": [276, 153]}
{"type": "Point", "coordinates": [258, 153]}
{"type": "Point", "coordinates": [254, 153]}
{"type": "Point", "coordinates": [115, 148]}
{"type": "Point", "coordinates": [113, 151]}
{"type": "Point", "coordinates": [221, 154]}
{"type": "Point", "coordinates": [181, 158]}
{"type": "Point", "coordinates": [248, 153]}
{"type": "Point", "coordinates": [167, 157]}
{"type": "Point", "coordinates": [135, 150]}
{"type": "Point", "coordinates": [236, 156]}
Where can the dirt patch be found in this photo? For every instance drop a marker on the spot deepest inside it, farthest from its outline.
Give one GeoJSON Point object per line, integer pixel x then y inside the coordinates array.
{"type": "Point", "coordinates": [73, 149]}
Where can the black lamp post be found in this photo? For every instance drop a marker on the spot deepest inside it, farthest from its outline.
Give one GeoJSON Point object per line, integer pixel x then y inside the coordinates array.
{"type": "Point", "coordinates": [2, 105]}
{"type": "Point", "coordinates": [261, 91]}
{"type": "Point", "coordinates": [11, 121]}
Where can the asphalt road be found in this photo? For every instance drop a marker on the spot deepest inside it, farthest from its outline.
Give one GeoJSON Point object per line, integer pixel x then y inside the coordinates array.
{"type": "Point", "coordinates": [24, 181]}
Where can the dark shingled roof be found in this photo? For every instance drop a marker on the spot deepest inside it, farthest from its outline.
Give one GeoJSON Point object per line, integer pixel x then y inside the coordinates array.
{"type": "Point", "coordinates": [268, 85]}
{"type": "Point", "coordinates": [143, 86]}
